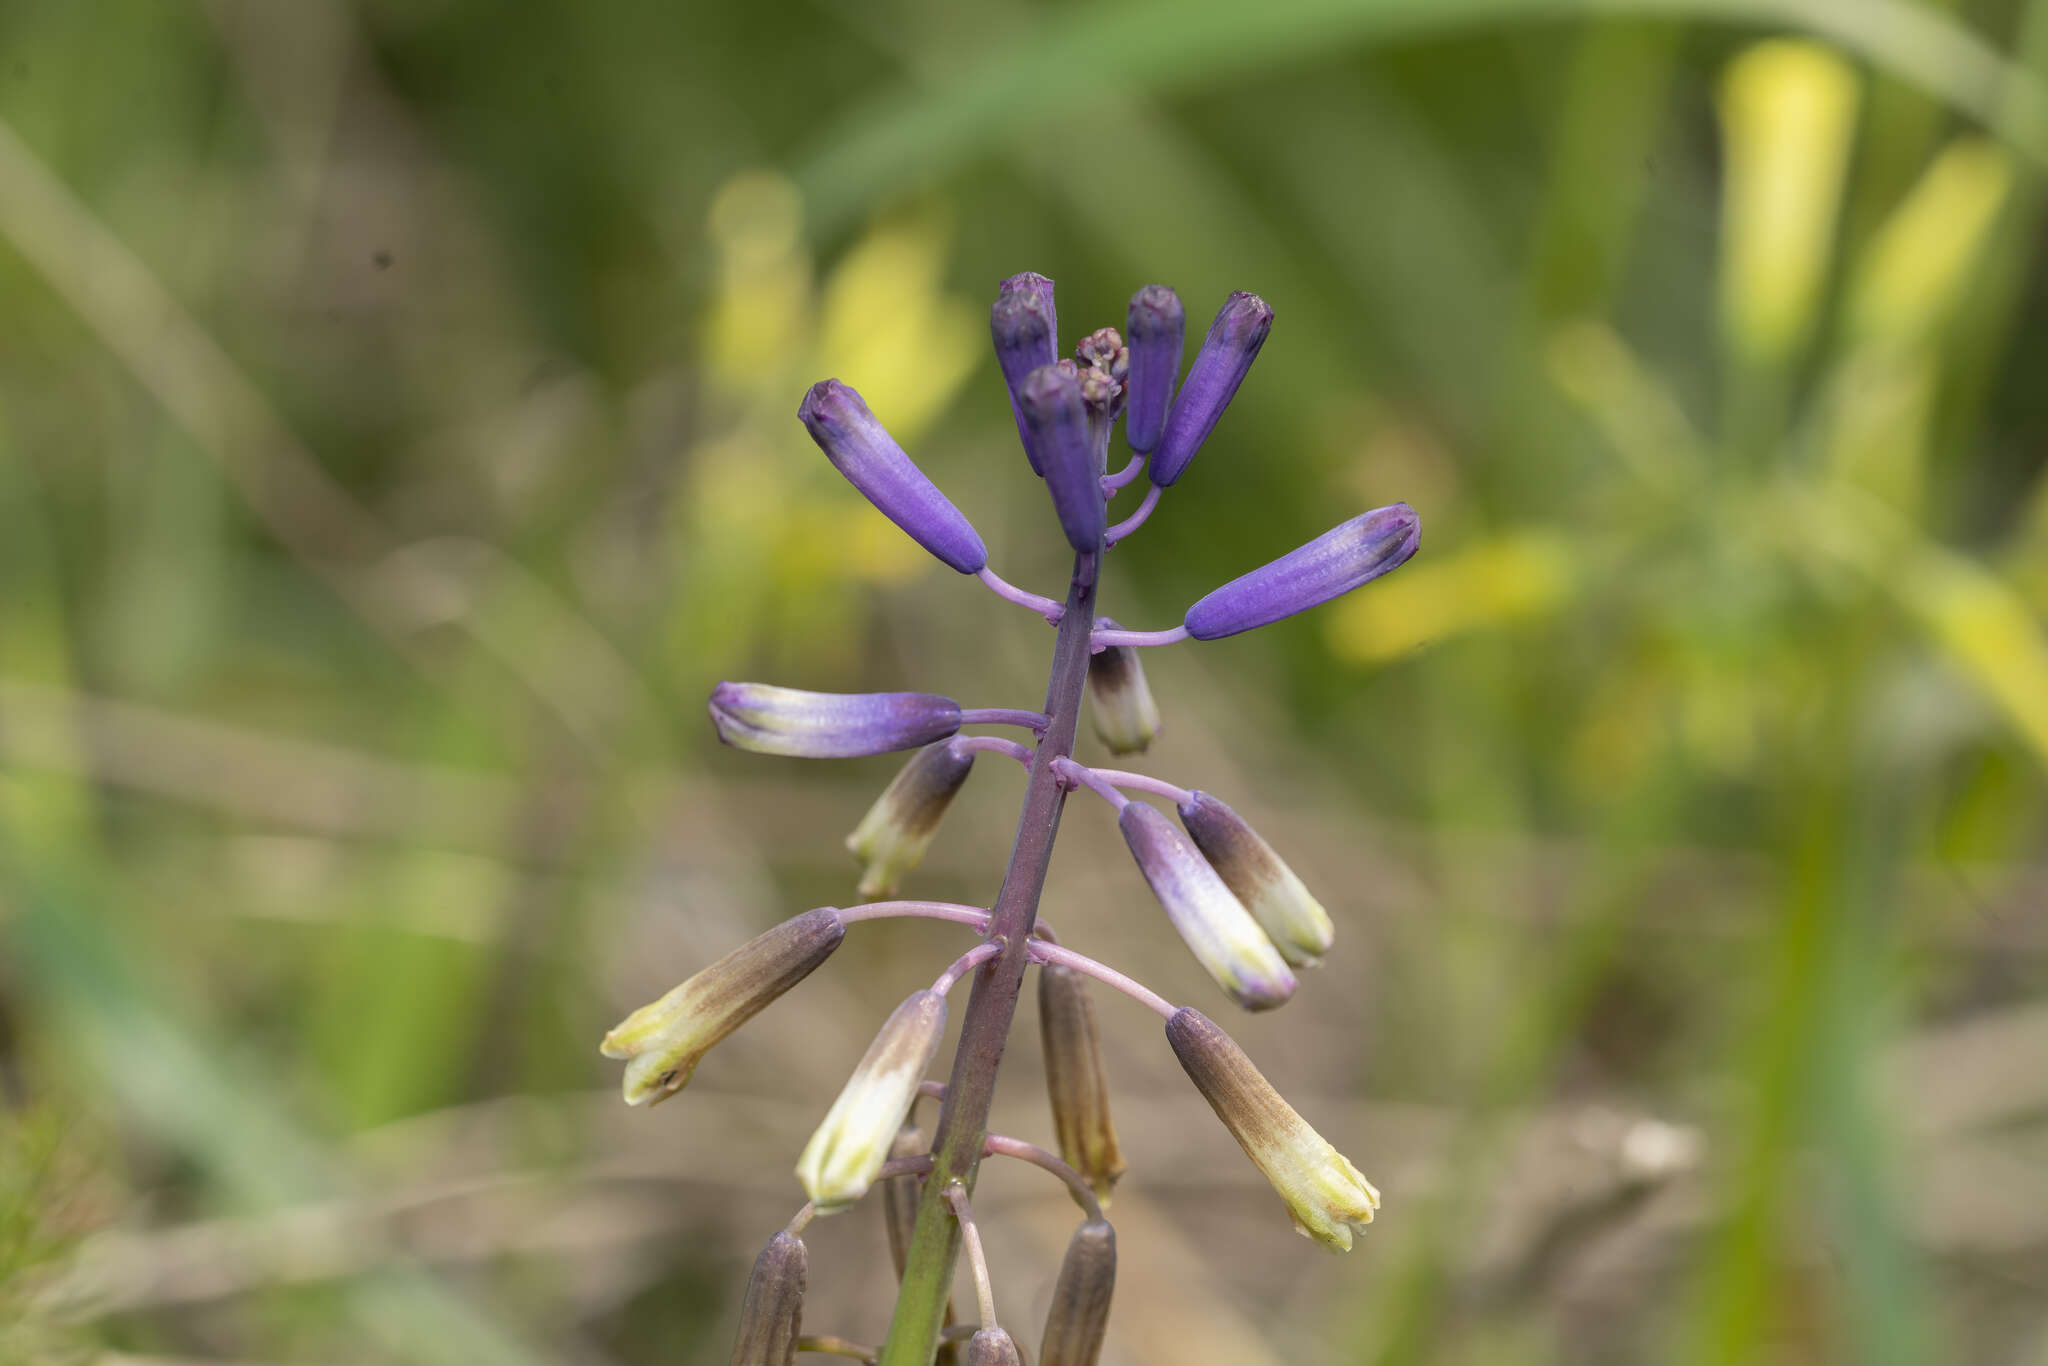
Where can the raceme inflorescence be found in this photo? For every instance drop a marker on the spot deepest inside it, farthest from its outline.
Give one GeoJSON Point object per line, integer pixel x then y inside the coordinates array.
{"type": "Point", "coordinates": [1241, 911]}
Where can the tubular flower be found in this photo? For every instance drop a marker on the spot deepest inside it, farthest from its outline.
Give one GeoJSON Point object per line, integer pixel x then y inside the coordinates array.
{"type": "Point", "coordinates": [892, 838]}
{"type": "Point", "coordinates": [771, 1316]}
{"type": "Point", "coordinates": [1326, 1197]}
{"type": "Point", "coordinates": [664, 1041]}
{"type": "Point", "coordinates": [1125, 716]}
{"type": "Point", "coordinates": [1025, 330]}
{"type": "Point", "coordinates": [1225, 358]}
{"type": "Point", "coordinates": [1292, 918]}
{"type": "Point", "coordinates": [765, 719]}
{"type": "Point", "coordinates": [1334, 563]}
{"type": "Point", "coordinates": [1056, 431]}
{"type": "Point", "coordinates": [1156, 327]}
{"type": "Point", "coordinates": [860, 448]}
{"type": "Point", "coordinates": [1207, 914]}
{"type": "Point", "coordinates": [1078, 1318]}
{"type": "Point", "coordinates": [839, 1163]}
{"type": "Point", "coordinates": [1075, 1079]}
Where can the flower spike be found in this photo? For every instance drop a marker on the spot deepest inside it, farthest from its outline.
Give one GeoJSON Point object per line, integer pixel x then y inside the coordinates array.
{"type": "Point", "coordinates": [1342, 558]}
{"type": "Point", "coordinates": [1026, 331]}
{"type": "Point", "coordinates": [847, 1152]}
{"type": "Point", "coordinates": [1291, 917]}
{"type": "Point", "coordinates": [1226, 356]}
{"type": "Point", "coordinates": [1209, 917]}
{"type": "Point", "coordinates": [765, 719]}
{"type": "Point", "coordinates": [664, 1041]}
{"type": "Point", "coordinates": [1156, 328]}
{"type": "Point", "coordinates": [1056, 430]}
{"type": "Point", "coordinates": [1326, 1197]}
{"type": "Point", "coordinates": [860, 448]}
{"type": "Point", "coordinates": [892, 838]}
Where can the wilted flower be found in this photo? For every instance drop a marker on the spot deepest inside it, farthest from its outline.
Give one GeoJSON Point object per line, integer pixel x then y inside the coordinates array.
{"type": "Point", "coordinates": [839, 1163]}
{"type": "Point", "coordinates": [1078, 1318]}
{"type": "Point", "coordinates": [860, 448]}
{"type": "Point", "coordinates": [1125, 716]}
{"type": "Point", "coordinates": [1226, 356]}
{"type": "Point", "coordinates": [828, 725]}
{"type": "Point", "coordinates": [1293, 919]}
{"type": "Point", "coordinates": [1025, 329]}
{"type": "Point", "coordinates": [1334, 563]}
{"type": "Point", "coordinates": [1208, 915]}
{"type": "Point", "coordinates": [1156, 328]}
{"type": "Point", "coordinates": [892, 838]}
{"type": "Point", "coordinates": [1326, 1197]}
{"type": "Point", "coordinates": [662, 1042]}
{"type": "Point", "coordinates": [771, 1316]}
{"type": "Point", "coordinates": [1075, 1079]}
{"type": "Point", "coordinates": [1056, 431]}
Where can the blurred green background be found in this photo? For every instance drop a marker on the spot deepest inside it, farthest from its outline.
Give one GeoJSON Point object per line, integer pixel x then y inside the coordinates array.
{"type": "Point", "coordinates": [397, 442]}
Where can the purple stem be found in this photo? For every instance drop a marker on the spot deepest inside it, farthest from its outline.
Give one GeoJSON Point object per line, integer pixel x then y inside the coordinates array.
{"type": "Point", "coordinates": [1042, 952]}
{"type": "Point", "coordinates": [1112, 482]}
{"type": "Point", "coordinates": [1002, 1145]}
{"type": "Point", "coordinates": [1033, 721]}
{"type": "Point", "coordinates": [1145, 783]}
{"type": "Point", "coordinates": [995, 744]}
{"type": "Point", "coordinates": [929, 910]}
{"type": "Point", "coordinates": [1084, 776]}
{"type": "Point", "coordinates": [1102, 640]}
{"type": "Point", "coordinates": [966, 963]}
{"type": "Point", "coordinates": [1135, 520]}
{"type": "Point", "coordinates": [1045, 607]}
{"type": "Point", "coordinates": [992, 1005]}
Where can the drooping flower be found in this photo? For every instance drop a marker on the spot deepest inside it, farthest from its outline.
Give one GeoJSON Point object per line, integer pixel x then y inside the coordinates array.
{"type": "Point", "coordinates": [841, 1160]}
{"type": "Point", "coordinates": [1348, 555]}
{"type": "Point", "coordinates": [1026, 332]}
{"type": "Point", "coordinates": [860, 448]}
{"type": "Point", "coordinates": [1291, 917]}
{"type": "Point", "coordinates": [1226, 356]}
{"type": "Point", "coordinates": [1325, 1195]}
{"type": "Point", "coordinates": [767, 719]}
{"type": "Point", "coordinates": [1121, 706]}
{"type": "Point", "coordinates": [1156, 329]}
{"type": "Point", "coordinates": [662, 1042]}
{"type": "Point", "coordinates": [771, 1316]}
{"type": "Point", "coordinates": [1078, 1318]}
{"type": "Point", "coordinates": [1056, 431]}
{"type": "Point", "coordinates": [1075, 1079]}
{"type": "Point", "coordinates": [1211, 920]}
{"type": "Point", "coordinates": [892, 837]}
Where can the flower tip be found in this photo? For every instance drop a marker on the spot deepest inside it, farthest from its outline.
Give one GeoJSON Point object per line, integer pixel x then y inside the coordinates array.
{"type": "Point", "coordinates": [1233, 343]}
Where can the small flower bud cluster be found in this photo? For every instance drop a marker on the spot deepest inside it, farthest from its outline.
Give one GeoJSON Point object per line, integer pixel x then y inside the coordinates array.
{"type": "Point", "coordinates": [1248, 920]}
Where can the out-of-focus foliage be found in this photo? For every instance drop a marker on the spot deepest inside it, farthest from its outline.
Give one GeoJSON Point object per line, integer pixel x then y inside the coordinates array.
{"type": "Point", "coordinates": [397, 441]}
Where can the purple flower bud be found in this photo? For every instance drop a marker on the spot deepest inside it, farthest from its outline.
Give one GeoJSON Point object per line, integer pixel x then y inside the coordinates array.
{"type": "Point", "coordinates": [1208, 915]}
{"type": "Point", "coordinates": [828, 725]}
{"type": "Point", "coordinates": [771, 1316]}
{"type": "Point", "coordinates": [1156, 328]}
{"type": "Point", "coordinates": [1227, 353]}
{"type": "Point", "coordinates": [1292, 918]}
{"type": "Point", "coordinates": [1026, 333]}
{"type": "Point", "coordinates": [861, 449]}
{"type": "Point", "coordinates": [1056, 429]}
{"type": "Point", "coordinates": [1334, 563]}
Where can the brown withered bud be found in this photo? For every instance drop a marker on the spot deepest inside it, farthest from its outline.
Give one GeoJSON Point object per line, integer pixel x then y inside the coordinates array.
{"type": "Point", "coordinates": [1326, 1196]}
{"type": "Point", "coordinates": [771, 1316]}
{"type": "Point", "coordinates": [1291, 917]}
{"type": "Point", "coordinates": [662, 1042]}
{"type": "Point", "coordinates": [1079, 1317]}
{"type": "Point", "coordinates": [892, 838]}
{"type": "Point", "coordinates": [1121, 706]}
{"type": "Point", "coordinates": [899, 1194]}
{"type": "Point", "coordinates": [1075, 1079]}
{"type": "Point", "coordinates": [992, 1347]}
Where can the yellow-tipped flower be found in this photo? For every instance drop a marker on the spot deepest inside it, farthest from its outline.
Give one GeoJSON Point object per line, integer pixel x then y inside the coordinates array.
{"type": "Point", "coordinates": [891, 839]}
{"type": "Point", "coordinates": [1121, 706]}
{"type": "Point", "coordinates": [839, 1163]}
{"type": "Point", "coordinates": [663, 1042]}
{"type": "Point", "coordinates": [1285, 909]}
{"type": "Point", "coordinates": [1326, 1197]}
